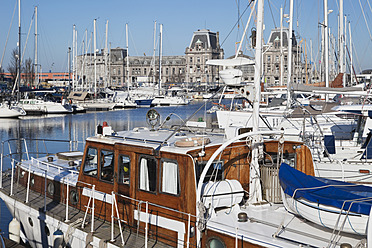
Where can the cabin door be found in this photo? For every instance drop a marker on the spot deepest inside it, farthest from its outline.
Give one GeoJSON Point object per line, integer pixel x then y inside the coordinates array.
{"type": "Point", "coordinates": [122, 184]}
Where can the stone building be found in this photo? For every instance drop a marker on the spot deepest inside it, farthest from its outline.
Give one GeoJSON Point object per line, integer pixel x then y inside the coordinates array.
{"type": "Point", "coordinates": [191, 69]}
{"type": "Point", "coordinates": [182, 69]}
{"type": "Point", "coordinates": [272, 59]}
{"type": "Point", "coordinates": [204, 46]}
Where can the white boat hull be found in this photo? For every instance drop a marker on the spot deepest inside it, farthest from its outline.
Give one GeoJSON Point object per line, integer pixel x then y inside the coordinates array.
{"type": "Point", "coordinates": [6, 112]}
{"type": "Point", "coordinates": [36, 234]}
{"type": "Point", "coordinates": [326, 215]}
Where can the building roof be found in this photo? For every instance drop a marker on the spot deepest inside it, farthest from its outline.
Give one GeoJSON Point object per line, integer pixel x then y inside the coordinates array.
{"type": "Point", "coordinates": [207, 38]}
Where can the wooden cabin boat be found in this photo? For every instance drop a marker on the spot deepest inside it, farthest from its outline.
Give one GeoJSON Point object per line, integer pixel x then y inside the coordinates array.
{"type": "Point", "coordinates": [164, 188]}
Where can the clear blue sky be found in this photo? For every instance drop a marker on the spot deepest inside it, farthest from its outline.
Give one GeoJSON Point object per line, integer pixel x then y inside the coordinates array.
{"type": "Point", "coordinates": [179, 18]}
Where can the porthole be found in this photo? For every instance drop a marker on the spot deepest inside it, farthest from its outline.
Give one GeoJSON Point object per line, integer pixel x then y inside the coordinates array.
{"type": "Point", "coordinates": [30, 221]}
{"type": "Point", "coordinates": [216, 243]}
{"type": "Point", "coordinates": [22, 174]}
{"type": "Point", "coordinates": [74, 197]}
{"type": "Point", "coordinates": [50, 188]}
{"type": "Point", "coordinates": [47, 232]}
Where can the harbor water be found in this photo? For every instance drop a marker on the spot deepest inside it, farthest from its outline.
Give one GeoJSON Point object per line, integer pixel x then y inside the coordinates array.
{"type": "Point", "coordinates": [77, 127]}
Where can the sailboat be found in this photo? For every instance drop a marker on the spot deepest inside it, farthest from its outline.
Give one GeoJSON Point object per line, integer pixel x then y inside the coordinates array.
{"type": "Point", "coordinates": [8, 109]}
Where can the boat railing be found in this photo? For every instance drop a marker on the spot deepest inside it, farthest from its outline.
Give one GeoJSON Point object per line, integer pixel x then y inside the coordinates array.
{"type": "Point", "coordinates": [48, 167]}
{"type": "Point", "coordinates": [22, 147]}
{"type": "Point", "coordinates": [115, 216]}
{"type": "Point", "coordinates": [343, 211]}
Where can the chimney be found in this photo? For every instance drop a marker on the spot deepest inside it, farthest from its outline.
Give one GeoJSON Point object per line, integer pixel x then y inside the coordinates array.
{"type": "Point", "coordinates": [218, 39]}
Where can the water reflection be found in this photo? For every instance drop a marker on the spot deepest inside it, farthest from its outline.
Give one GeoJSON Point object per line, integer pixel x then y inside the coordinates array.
{"type": "Point", "coordinates": [80, 126]}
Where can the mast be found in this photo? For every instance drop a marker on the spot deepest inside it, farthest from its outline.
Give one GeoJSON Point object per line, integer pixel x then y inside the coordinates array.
{"type": "Point", "coordinates": [153, 66]}
{"type": "Point", "coordinates": [281, 46]}
{"type": "Point", "coordinates": [95, 59]}
{"type": "Point", "coordinates": [73, 56]}
{"type": "Point", "coordinates": [290, 54]}
{"type": "Point", "coordinates": [126, 32]}
{"type": "Point", "coordinates": [106, 55]}
{"type": "Point", "coordinates": [255, 193]}
{"type": "Point", "coordinates": [326, 46]}
{"type": "Point", "coordinates": [19, 51]}
{"type": "Point", "coordinates": [36, 79]}
{"type": "Point", "coordinates": [341, 41]}
{"type": "Point", "coordinates": [351, 56]}
{"type": "Point", "coordinates": [160, 54]}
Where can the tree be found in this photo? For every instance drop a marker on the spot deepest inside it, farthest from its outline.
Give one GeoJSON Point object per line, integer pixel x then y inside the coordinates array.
{"type": "Point", "coordinates": [28, 72]}
{"type": "Point", "coordinates": [13, 65]}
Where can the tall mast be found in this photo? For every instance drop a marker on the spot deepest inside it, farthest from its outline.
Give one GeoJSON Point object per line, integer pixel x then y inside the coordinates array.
{"type": "Point", "coordinates": [351, 56]}
{"type": "Point", "coordinates": [73, 56]}
{"type": "Point", "coordinates": [19, 50]}
{"type": "Point", "coordinates": [126, 32]}
{"type": "Point", "coordinates": [255, 194]}
{"type": "Point", "coordinates": [160, 54]}
{"type": "Point", "coordinates": [290, 41]}
{"type": "Point", "coordinates": [345, 23]}
{"type": "Point", "coordinates": [281, 46]}
{"type": "Point", "coordinates": [36, 79]}
{"type": "Point", "coordinates": [341, 41]}
{"type": "Point", "coordinates": [95, 59]}
{"type": "Point", "coordinates": [326, 47]}
{"type": "Point", "coordinates": [154, 65]}
{"type": "Point", "coordinates": [106, 55]}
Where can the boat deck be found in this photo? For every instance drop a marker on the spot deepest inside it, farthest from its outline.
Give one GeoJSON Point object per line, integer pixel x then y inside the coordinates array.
{"type": "Point", "coordinates": [102, 229]}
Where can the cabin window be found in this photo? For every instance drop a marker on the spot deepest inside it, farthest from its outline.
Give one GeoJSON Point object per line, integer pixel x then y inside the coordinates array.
{"type": "Point", "coordinates": [124, 169]}
{"type": "Point", "coordinates": [90, 165]}
{"type": "Point", "coordinates": [215, 242]}
{"type": "Point", "coordinates": [170, 178]}
{"type": "Point", "coordinates": [107, 165]}
{"type": "Point", "coordinates": [147, 180]}
{"type": "Point", "coordinates": [215, 171]}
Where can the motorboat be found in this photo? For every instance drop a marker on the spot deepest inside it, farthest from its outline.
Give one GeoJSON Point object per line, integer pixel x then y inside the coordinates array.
{"type": "Point", "coordinates": [11, 111]}
{"type": "Point", "coordinates": [40, 106]}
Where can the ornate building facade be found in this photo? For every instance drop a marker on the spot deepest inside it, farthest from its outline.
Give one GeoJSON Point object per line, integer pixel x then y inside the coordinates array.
{"type": "Point", "coordinates": [183, 69]}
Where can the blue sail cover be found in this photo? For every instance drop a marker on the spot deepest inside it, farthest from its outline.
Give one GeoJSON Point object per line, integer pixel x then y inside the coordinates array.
{"type": "Point", "coordinates": [327, 192]}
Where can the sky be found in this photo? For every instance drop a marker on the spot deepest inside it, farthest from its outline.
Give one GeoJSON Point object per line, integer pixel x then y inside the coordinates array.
{"type": "Point", "coordinates": [179, 18]}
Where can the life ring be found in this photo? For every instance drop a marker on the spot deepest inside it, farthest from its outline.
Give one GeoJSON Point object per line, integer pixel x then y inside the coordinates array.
{"type": "Point", "coordinates": [220, 105]}
{"type": "Point", "coordinates": [194, 141]}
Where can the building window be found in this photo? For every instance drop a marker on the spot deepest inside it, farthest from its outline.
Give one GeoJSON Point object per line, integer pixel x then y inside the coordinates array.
{"type": "Point", "coordinates": [190, 59]}
{"type": "Point", "coordinates": [90, 164]}
{"type": "Point", "coordinates": [198, 59]}
{"type": "Point", "coordinates": [124, 169]}
{"type": "Point", "coordinates": [277, 58]}
{"type": "Point", "coordinates": [119, 71]}
{"type": "Point", "coordinates": [166, 71]}
{"type": "Point", "coordinates": [107, 165]}
{"type": "Point", "coordinates": [268, 58]}
{"type": "Point", "coordinates": [148, 174]}
{"type": "Point", "coordinates": [144, 71]}
{"type": "Point", "coordinates": [268, 68]}
{"type": "Point", "coordinates": [170, 178]}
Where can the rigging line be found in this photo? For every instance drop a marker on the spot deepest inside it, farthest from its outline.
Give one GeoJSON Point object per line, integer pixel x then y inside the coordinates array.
{"type": "Point", "coordinates": [28, 35]}
{"type": "Point", "coordinates": [237, 22]}
{"type": "Point", "coordinates": [369, 6]}
{"type": "Point", "coordinates": [7, 37]}
{"type": "Point", "coordinates": [370, 36]}
{"type": "Point", "coordinates": [272, 13]}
